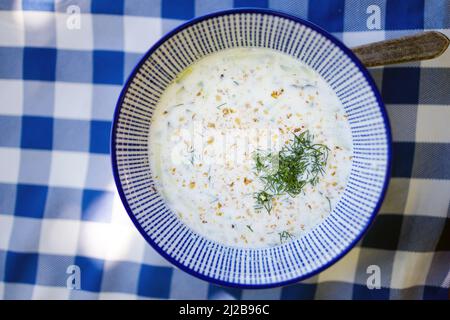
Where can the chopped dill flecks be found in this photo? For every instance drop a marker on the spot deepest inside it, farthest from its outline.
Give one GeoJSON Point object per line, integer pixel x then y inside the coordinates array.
{"type": "Point", "coordinates": [235, 82]}
{"type": "Point", "coordinates": [263, 200]}
{"type": "Point", "coordinates": [297, 164]}
{"type": "Point", "coordinates": [220, 105]}
{"type": "Point", "coordinates": [249, 228]}
{"type": "Point", "coordinates": [329, 202]}
{"type": "Point", "coordinates": [214, 200]}
{"type": "Point", "coordinates": [192, 156]}
{"type": "Point", "coordinates": [285, 236]}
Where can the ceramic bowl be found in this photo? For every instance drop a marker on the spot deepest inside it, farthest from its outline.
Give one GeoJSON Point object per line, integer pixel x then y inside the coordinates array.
{"type": "Point", "coordinates": [262, 267]}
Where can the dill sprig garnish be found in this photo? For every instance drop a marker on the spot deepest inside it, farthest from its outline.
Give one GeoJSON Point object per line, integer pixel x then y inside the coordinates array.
{"type": "Point", "coordinates": [297, 164]}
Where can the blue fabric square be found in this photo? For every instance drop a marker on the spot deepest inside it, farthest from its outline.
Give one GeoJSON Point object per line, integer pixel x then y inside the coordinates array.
{"type": "Point", "coordinates": [91, 273]}
{"type": "Point", "coordinates": [7, 198]}
{"type": "Point", "coordinates": [10, 127]}
{"type": "Point", "coordinates": [251, 3]}
{"type": "Point", "coordinates": [97, 205]}
{"type": "Point", "coordinates": [436, 15]}
{"type": "Point", "coordinates": [154, 281]}
{"type": "Point", "coordinates": [35, 166]}
{"type": "Point", "coordinates": [114, 280]}
{"type": "Point", "coordinates": [444, 241]}
{"type": "Point", "coordinates": [428, 161]}
{"type": "Point", "coordinates": [12, 63]}
{"type": "Point", "coordinates": [83, 295]}
{"type": "Point", "coordinates": [38, 5]}
{"type": "Point", "coordinates": [107, 6]}
{"type": "Point", "coordinates": [327, 14]}
{"type": "Point", "coordinates": [421, 234]}
{"type": "Point", "coordinates": [39, 64]}
{"type": "Point", "coordinates": [223, 293]}
{"type": "Point", "coordinates": [18, 291]}
{"type": "Point", "coordinates": [21, 267]}
{"type": "Point", "coordinates": [100, 133]}
{"type": "Point", "coordinates": [30, 200]}
{"type": "Point", "coordinates": [363, 293]}
{"type": "Point", "coordinates": [434, 85]}
{"type": "Point", "coordinates": [131, 60]}
{"type": "Point", "coordinates": [52, 270]}
{"type": "Point", "coordinates": [334, 290]}
{"type": "Point", "coordinates": [38, 98]}
{"type": "Point", "coordinates": [74, 66]}
{"type": "Point", "coordinates": [357, 13]}
{"type": "Point", "coordinates": [296, 8]}
{"type": "Point", "coordinates": [178, 9]}
{"type": "Point", "coordinates": [108, 67]}
{"type": "Point", "coordinates": [37, 132]}
{"type": "Point", "coordinates": [84, 5]}
{"type": "Point", "coordinates": [99, 172]}
{"type": "Point", "coordinates": [401, 85]}
{"type": "Point", "coordinates": [142, 9]}
{"type": "Point", "coordinates": [298, 291]}
{"type": "Point", "coordinates": [71, 135]}
{"type": "Point", "coordinates": [404, 15]}
{"type": "Point", "coordinates": [384, 232]}
{"type": "Point", "coordinates": [25, 235]}
{"type": "Point", "coordinates": [104, 98]}
{"type": "Point", "coordinates": [9, 5]}
{"type": "Point", "coordinates": [63, 203]}
{"type": "Point", "coordinates": [402, 159]}
{"type": "Point", "coordinates": [108, 32]}
{"type": "Point", "coordinates": [435, 293]}
{"type": "Point", "coordinates": [2, 263]}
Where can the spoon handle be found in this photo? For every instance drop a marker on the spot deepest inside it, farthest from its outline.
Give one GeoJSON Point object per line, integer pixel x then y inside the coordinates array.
{"type": "Point", "coordinates": [420, 46]}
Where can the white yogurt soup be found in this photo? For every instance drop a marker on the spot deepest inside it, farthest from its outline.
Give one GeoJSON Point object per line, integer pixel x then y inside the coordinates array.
{"type": "Point", "coordinates": [250, 147]}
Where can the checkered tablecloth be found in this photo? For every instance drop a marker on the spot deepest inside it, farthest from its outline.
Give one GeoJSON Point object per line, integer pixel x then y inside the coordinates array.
{"type": "Point", "coordinates": [62, 65]}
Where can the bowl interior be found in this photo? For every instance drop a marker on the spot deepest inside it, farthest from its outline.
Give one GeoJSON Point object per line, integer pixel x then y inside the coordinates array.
{"type": "Point", "coordinates": [212, 261]}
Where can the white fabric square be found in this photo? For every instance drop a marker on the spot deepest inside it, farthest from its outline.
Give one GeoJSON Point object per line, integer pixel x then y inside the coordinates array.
{"type": "Point", "coordinates": [39, 28]}
{"type": "Point", "coordinates": [50, 293]}
{"type": "Point", "coordinates": [410, 269]}
{"type": "Point", "coordinates": [59, 236]}
{"type": "Point", "coordinates": [13, 30]}
{"type": "Point", "coordinates": [74, 31]}
{"type": "Point", "coordinates": [6, 224]}
{"type": "Point", "coordinates": [433, 123]}
{"type": "Point", "coordinates": [126, 244]}
{"type": "Point", "coordinates": [9, 164]}
{"type": "Point", "coordinates": [141, 33]}
{"type": "Point", "coordinates": [428, 197]}
{"type": "Point", "coordinates": [73, 100]}
{"type": "Point", "coordinates": [344, 270]}
{"type": "Point", "coordinates": [95, 239]}
{"type": "Point", "coordinates": [11, 92]}
{"type": "Point", "coordinates": [68, 169]}
{"type": "Point", "coordinates": [353, 39]}
{"type": "Point", "coordinates": [116, 296]}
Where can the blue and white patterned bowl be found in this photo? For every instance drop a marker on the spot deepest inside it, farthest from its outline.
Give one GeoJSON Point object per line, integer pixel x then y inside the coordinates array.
{"type": "Point", "coordinates": [266, 267]}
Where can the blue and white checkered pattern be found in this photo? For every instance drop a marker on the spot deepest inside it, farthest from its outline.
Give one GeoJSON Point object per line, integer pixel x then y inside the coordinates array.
{"type": "Point", "coordinates": [58, 206]}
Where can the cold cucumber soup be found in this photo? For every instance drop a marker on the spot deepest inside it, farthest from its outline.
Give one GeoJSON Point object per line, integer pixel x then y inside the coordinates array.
{"type": "Point", "coordinates": [250, 147]}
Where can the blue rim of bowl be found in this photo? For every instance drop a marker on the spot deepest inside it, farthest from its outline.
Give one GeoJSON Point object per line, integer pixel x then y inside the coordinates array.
{"type": "Point", "coordinates": [335, 41]}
